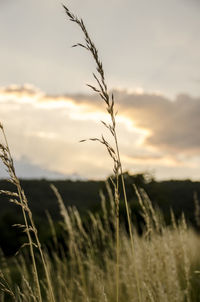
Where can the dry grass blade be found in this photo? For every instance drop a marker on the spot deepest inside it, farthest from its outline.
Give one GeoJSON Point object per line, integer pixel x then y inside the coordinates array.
{"type": "Point", "coordinates": [5, 287]}
{"type": "Point", "coordinates": [29, 227]}
{"type": "Point", "coordinates": [7, 160]}
{"type": "Point", "coordinates": [114, 153]}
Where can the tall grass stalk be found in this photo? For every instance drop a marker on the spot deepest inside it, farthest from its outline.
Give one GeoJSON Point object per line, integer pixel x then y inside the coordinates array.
{"type": "Point", "coordinates": [167, 259]}
{"type": "Point", "coordinates": [114, 153]}
{"type": "Point", "coordinates": [8, 162]}
{"type": "Point", "coordinates": [20, 199]}
{"type": "Point", "coordinates": [66, 218]}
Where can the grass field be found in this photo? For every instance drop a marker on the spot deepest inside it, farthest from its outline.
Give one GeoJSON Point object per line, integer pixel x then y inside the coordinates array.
{"type": "Point", "coordinates": [82, 265]}
{"type": "Point", "coordinates": [103, 259]}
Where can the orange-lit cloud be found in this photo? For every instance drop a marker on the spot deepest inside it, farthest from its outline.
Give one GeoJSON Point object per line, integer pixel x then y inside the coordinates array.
{"type": "Point", "coordinates": [154, 132]}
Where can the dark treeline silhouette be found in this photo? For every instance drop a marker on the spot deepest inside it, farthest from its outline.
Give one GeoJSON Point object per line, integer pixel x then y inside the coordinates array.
{"type": "Point", "coordinates": [173, 194]}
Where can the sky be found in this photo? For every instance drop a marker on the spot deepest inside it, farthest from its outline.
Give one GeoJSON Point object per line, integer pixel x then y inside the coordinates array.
{"type": "Point", "coordinates": [150, 52]}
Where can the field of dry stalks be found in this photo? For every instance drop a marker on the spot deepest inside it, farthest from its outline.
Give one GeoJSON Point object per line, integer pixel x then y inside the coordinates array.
{"type": "Point", "coordinates": [101, 260]}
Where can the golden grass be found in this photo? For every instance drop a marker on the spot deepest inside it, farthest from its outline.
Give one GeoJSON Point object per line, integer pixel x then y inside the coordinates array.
{"type": "Point", "coordinates": [166, 260]}
{"type": "Point", "coordinates": [19, 198]}
{"type": "Point", "coordinates": [99, 261]}
{"type": "Point", "coordinates": [113, 149]}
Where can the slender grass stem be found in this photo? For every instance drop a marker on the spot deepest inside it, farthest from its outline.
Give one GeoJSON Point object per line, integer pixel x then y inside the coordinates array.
{"type": "Point", "coordinates": [27, 214]}
{"type": "Point", "coordinates": [102, 90]}
{"type": "Point", "coordinates": [117, 251]}
{"type": "Point", "coordinates": [20, 194]}
{"type": "Point", "coordinates": [128, 214]}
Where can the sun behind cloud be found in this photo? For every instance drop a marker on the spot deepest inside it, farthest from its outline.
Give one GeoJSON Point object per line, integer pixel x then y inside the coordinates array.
{"type": "Point", "coordinates": [155, 133]}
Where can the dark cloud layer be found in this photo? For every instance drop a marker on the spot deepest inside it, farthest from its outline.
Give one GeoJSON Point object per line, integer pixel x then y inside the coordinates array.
{"type": "Point", "coordinates": [173, 125]}
{"type": "Point", "coordinates": [154, 131]}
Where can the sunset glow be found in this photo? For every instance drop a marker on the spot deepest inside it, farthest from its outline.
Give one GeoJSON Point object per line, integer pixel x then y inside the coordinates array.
{"type": "Point", "coordinates": [45, 130]}
{"type": "Point", "coordinates": [151, 65]}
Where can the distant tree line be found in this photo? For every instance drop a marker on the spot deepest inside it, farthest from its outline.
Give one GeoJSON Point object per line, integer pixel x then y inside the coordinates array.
{"type": "Point", "coordinates": [173, 194]}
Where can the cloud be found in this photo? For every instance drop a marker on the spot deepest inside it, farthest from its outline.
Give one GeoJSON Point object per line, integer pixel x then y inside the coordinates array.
{"type": "Point", "coordinates": [173, 126]}
{"type": "Point", "coordinates": [154, 132]}
{"type": "Point", "coordinates": [47, 130]}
